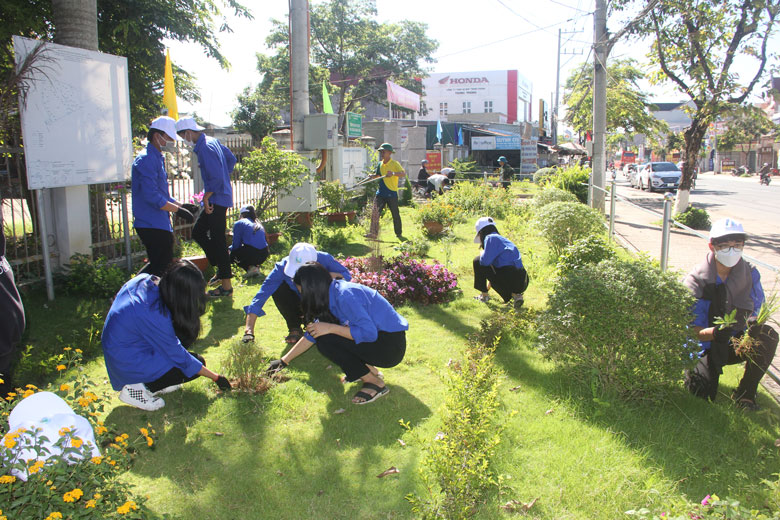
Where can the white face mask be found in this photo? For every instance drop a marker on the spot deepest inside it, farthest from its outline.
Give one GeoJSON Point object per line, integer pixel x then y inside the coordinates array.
{"type": "Point", "coordinates": [728, 257]}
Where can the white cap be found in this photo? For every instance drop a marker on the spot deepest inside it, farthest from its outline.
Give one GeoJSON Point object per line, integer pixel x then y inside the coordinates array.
{"type": "Point", "coordinates": [726, 226]}
{"type": "Point", "coordinates": [481, 224]}
{"type": "Point", "coordinates": [167, 125]}
{"type": "Point", "coordinates": [299, 255]}
{"type": "Point", "coordinates": [188, 123]}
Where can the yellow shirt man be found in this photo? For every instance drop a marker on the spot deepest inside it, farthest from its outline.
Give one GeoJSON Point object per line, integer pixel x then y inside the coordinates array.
{"type": "Point", "coordinates": [391, 182]}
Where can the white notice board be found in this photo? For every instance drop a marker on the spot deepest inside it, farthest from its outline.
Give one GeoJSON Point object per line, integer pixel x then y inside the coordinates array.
{"type": "Point", "coordinates": [76, 121]}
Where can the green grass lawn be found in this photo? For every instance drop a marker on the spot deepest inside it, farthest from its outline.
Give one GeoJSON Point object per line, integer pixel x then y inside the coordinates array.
{"type": "Point", "coordinates": [288, 454]}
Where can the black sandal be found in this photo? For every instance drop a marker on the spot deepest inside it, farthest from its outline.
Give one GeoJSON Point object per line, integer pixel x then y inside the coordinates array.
{"type": "Point", "coordinates": [219, 292]}
{"type": "Point", "coordinates": [293, 337]}
{"type": "Point", "coordinates": [367, 398]}
{"type": "Point", "coordinates": [248, 338]}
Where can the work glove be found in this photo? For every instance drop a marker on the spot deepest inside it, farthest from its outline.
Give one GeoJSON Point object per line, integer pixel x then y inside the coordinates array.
{"type": "Point", "coordinates": [276, 366]}
{"type": "Point", "coordinates": [185, 215]}
{"type": "Point", "coordinates": [192, 208]}
{"type": "Point", "coordinates": [722, 335]}
{"type": "Point", "coordinates": [719, 348]}
{"type": "Point", "coordinates": [223, 384]}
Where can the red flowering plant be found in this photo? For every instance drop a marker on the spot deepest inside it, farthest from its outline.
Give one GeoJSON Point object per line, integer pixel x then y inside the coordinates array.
{"type": "Point", "coordinates": [404, 278]}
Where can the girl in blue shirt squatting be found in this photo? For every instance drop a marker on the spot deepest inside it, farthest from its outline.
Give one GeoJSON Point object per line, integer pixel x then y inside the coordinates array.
{"type": "Point", "coordinates": [250, 248]}
{"type": "Point", "coordinates": [147, 330]}
{"type": "Point", "coordinates": [352, 325]}
{"type": "Point", "coordinates": [499, 266]}
{"type": "Point", "coordinates": [279, 286]}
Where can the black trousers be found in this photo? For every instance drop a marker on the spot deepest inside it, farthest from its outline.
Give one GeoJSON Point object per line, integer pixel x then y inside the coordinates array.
{"type": "Point", "coordinates": [246, 256]}
{"type": "Point", "coordinates": [387, 351]}
{"type": "Point", "coordinates": [703, 380]}
{"type": "Point", "coordinates": [289, 305]}
{"type": "Point", "coordinates": [172, 377]}
{"type": "Point", "coordinates": [392, 203]}
{"type": "Point", "coordinates": [159, 249]}
{"type": "Point", "coordinates": [209, 233]}
{"type": "Point", "coordinates": [504, 280]}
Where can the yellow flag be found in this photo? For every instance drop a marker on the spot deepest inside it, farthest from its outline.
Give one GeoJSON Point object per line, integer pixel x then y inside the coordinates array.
{"type": "Point", "coordinates": [169, 91]}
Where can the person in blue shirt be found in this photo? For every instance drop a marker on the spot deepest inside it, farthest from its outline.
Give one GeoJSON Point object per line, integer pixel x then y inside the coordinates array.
{"type": "Point", "coordinates": [279, 286]}
{"type": "Point", "coordinates": [249, 248]}
{"type": "Point", "coordinates": [353, 325]}
{"type": "Point", "coordinates": [499, 266]}
{"type": "Point", "coordinates": [152, 202]}
{"type": "Point", "coordinates": [151, 323]}
{"type": "Point", "coordinates": [721, 284]}
{"type": "Point", "coordinates": [216, 162]}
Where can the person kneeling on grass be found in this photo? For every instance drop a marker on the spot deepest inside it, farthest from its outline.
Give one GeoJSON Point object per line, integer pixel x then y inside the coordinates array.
{"type": "Point", "coordinates": [149, 325]}
{"type": "Point", "coordinates": [499, 266]}
{"type": "Point", "coordinates": [722, 283]}
{"type": "Point", "coordinates": [250, 248]}
{"type": "Point", "coordinates": [279, 286]}
{"type": "Point", "coordinates": [352, 325]}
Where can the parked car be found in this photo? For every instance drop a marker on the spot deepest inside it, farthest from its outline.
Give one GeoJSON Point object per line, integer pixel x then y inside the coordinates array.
{"type": "Point", "coordinates": [656, 176]}
{"type": "Point", "coordinates": [632, 175]}
{"type": "Point", "coordinates": [629, 169]}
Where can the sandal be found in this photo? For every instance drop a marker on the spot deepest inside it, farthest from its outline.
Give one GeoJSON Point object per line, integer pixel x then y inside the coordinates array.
{"type": "Point", "coordinates": [248, 338]}
{"type": "Point", "coordinates": [483, 299]}
{"type": "Point", "coordinates": [293, 337]}
{"type": "Point", "coordinates": [367, 398]}
{"type": "Point", "coordinates": [748, 405]}
{"type": "Point", "coordinates": [219, 292]}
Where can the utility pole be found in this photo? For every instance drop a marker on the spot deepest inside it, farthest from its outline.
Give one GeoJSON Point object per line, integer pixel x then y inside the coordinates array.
{"type": "Point", "coordinates": [299, 70]}
{"type": "Point", "coordinates": [600, 52]}
{"type": "Point", "coordinates": [558, 84]}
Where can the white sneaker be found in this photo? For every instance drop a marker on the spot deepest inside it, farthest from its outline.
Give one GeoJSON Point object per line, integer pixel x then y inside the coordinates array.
{"type": "Point", "coordinates": [253, 272]}
{"type": "Point", "coordinates": [139, 396]}
{"type": "Point", "coordinates": [167, 390]}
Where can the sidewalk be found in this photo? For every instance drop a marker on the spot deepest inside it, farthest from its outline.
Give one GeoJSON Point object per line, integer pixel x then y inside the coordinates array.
{"type": "Point", "coordinates": [634, 229]}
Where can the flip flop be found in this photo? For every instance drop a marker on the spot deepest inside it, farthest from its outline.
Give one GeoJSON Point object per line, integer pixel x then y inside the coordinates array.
{"type": "Point", "coordinates": [380, 391]}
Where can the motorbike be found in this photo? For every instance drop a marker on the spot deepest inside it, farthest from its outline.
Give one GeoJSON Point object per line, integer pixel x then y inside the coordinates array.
{"type": "Point", "coordinates": [765, 179]}
{"type": "Point", "coordinates": [742, 170]}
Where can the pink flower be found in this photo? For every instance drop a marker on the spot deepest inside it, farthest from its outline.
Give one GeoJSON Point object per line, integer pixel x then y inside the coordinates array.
{"type": "Point", "coordinates": [705, 500]}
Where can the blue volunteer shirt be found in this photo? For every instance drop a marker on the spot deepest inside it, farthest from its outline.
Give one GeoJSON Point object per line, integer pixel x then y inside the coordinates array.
{"type": "Point", "coordinates": [244, 233]}
{"type": "Point", "coordinates": [363, 310]}
{"type": "Point", "coordinates": [499, 251]}
{"type": "Point", "coordinates": [701, 309]}
{"type": "Point", "coordinates": [139, 344]}
{"type": "Point", "coordinates": [277, 277]}
{"type": "Point", "coordinates": [216, 162]}
{"type": "Point", "coordinates": [150, 190]}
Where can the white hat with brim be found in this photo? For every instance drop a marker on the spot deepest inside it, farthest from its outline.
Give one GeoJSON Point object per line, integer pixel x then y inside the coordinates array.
{"type": "Point", "coordinates": [481, 224]}
{"type": "Point", "coordinates": [166, 124]}
{"type": "Point", "coordinates": [300, 254]}
{"type": "Point", "coordinates": [188, 123]}
{"type": "Point", "coordinates": [726, 226]}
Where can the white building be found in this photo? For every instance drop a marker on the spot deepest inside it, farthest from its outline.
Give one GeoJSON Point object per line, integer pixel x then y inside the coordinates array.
{"type": "Point", "coordinates": [496, 91]}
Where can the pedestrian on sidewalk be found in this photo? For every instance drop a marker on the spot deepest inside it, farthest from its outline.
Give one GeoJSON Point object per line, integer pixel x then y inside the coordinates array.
{"type": "Point", "coordinates": [388, 171]}
{"type": "Point", "coordinates": [216, 162]}
{"type": "Point", "coordinates": [250, 247]}
{"type": "Point", "coordinates": [499, 266]}
{"type": "Point", "coordinates": [506, 172]}
{"type": "Point", "coordinates": [725, 282]}
{"type": "Point", "coordinates": [152, 202]}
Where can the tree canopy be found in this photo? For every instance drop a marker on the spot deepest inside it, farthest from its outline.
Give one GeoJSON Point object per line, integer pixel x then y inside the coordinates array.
{"type": "Point", "coordinates": [745, 127]}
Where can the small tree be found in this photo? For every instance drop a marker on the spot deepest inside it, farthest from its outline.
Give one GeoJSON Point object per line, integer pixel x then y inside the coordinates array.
{"type": "Point", "coordinates": [279, 171]}
{"type": "Point", "coordinates": [255, 114]}
{"type": "Point", "coordinates": [745, 128]}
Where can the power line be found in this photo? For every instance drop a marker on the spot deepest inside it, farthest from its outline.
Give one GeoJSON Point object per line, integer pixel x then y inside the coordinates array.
{"type": "Point", "coordinates": [518, 14]}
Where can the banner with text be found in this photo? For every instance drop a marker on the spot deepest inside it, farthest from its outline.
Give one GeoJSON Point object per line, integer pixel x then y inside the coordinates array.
{"type": "Point", "coordinates": [402, 97]}
{"type": "Point", "coordinates": [434, 161]}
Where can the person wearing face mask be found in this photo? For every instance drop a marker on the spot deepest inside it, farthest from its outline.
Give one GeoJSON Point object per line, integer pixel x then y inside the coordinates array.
{"type": "Point", "coordinates": [216, 162]}
{"type": "Point", "coordinates": [725, 282]}
{"type": "Point", "coordinates": [152, 202]}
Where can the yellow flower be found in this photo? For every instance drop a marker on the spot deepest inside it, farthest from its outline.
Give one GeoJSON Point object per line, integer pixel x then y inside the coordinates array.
{"type": "Point", "coordinates": [83, 402]}
{"type": "Point", "coordinates": [144, 432]}
{"type": "Point", "coordinates": [1, 382]}
{"type": "Point", "coordinates": [11, 394]}
{"type": "Point", "coordinates": [54, 515]}
{"type": "Point", "coordinates": [64, 387]}
{"type": "Point", "coordinates": [97, 496]}
{"type": "Point", "coordinates": [27, 393]}
{"type": "Point", "coordinates": [126, 507]}
{"type": "Point", "coordinates": [32, 387]}
{"type": "Point", "coordinates": [100, 430]}
{"type": "Point", "coordinates": [112, 462]}
{"type": "Point", "coordinates": [64, 431]}
{"type": "Point", "coordinates": [78, 350]}
{"type": "Point", "coordinates": [96, 460]}
{"type": "Point", "coordinates": [91, 396]}
{"type": "Point", "coordinates": [36, 467]}
{"type": "Point", "coordinates": [125, 436]}
{"type": "Point", "coordinates": [49, 482]}
{"type": "Point", "coordinates": [7, 479]}
{"type": "Point", "coordinates": [72, 496]}
{"type": "Point", "coordinates": [76, 442]}
{"type": "Point", "coordinates": [149, 441]}
{"type": "Point", "coordinates": [60, 368]}
{"type": "Point", "coordinates": [9, 442]}
{"type": "Point", "coordinates": [715, 498]}
{"type": "Point", "coordinates": [90, 503]}
{"type": "Point", "coordinates": [67, 348]}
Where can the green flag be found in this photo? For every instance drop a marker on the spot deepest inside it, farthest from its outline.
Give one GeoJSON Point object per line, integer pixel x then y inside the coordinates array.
{"type": "Point", "coordinates": [326, 106]}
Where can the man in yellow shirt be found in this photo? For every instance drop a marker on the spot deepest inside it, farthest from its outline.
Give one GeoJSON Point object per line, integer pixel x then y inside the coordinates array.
{"type": "Point", "coordinates": [389, 171]}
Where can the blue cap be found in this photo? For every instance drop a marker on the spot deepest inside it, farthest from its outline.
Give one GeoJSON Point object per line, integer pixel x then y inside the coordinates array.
{"type": "Point", "coordinates": [502, 159]}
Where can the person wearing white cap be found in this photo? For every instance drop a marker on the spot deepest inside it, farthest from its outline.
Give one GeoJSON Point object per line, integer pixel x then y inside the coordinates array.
{"type": "Point", "coordinates": [279, 286]}
{"type": "Point", "coordinates": [250, 247]}
{"type": "Point", "coordinates": [216, 162]}
{"type": "Point", "coordinates": [152, 201]}
{"type": "Point", "coordinates": [499, 266]}
{"type": "Point", "coordinates": [723, 283]}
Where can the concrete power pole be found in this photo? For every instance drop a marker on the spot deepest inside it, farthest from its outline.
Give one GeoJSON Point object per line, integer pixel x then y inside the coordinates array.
{"type": "Point", "coordinates": [299, 68]}
{"type": "Point", "coordinates": [557, 90]}
{"type": "Point", "coordinates": [600, 51]}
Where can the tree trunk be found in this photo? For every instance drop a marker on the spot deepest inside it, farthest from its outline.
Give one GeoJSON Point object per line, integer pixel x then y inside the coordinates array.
{"type": "Point", "coordinates": [75, 23]}
{"type": "Point", "coordinates": [694, 135]}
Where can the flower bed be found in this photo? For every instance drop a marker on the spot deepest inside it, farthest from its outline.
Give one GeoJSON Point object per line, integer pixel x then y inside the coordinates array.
{"type": "Point", "coordinates": [405, 279]}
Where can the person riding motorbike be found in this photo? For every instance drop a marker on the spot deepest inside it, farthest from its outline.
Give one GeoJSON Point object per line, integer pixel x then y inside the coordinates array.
{"type": "Point", "coordinates": [764, 175]}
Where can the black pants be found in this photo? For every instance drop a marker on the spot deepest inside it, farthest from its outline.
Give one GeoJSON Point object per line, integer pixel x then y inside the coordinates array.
{"type": "Point", "coordinates": [246, 256]}
{"type": "Point", "coordinates": [289, 305]}
{"type": "Point", "coordinates": [392, 203]}
{"type": "Point", "coordinates": [504, 280]}
{"type": "Point", "coordinates": [159, 249]}
{"type": "Point", "coordinates": [702, 381]}
{"type": "Point", "coordinates": [209, 233]}
{"type": "Point", "coordinates": [172, 377]}
{"type": "Point", "coordinates": [387, 351]}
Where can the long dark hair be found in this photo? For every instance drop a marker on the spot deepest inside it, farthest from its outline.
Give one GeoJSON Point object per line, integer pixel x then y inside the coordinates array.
{"type": "Point", "coordinates": [315, 281]}
{"type": "Point", "coordinates": [484, 232]}
{"type": "Point", "coordinates": [183, 294]}
{"type": "Point", "coordinates": [249, 213]}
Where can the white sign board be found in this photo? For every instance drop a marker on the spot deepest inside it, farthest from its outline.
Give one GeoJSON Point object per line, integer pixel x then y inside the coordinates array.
{"type": "Point", "coordinates": [76, 120]}
{"type": "Point", "coordinates": [353, 160]}
{"type": "Point", "coordinates": [483, 142]}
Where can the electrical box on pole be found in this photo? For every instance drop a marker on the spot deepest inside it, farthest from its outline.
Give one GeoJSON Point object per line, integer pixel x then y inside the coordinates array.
{"type": "Point", "coordinates": [320, 131]}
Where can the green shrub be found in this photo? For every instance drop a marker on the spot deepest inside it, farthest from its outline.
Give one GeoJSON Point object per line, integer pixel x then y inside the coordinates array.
{"type": "Point", "coordinates": [331, 238]}
{"type": "Point", "coordinates": [573, 179]}
{"type": "Point", "coordinates": [620, 325]}
{"type": "Point", "coordinates": [406, 196]}
{"type": "Point", "coordinates": [475, 198]}
{"type": "Point", "coordinates": [695, 218]}
{"type": "Point", "coordinates": [94, 277]}
{"type": "Point", "coordinates": [464, 165]}
{"type": "Point", "coordinates": [245, 365]}
{"type": "Point", "coordinates": [561, 223]}
{"type": "Point", "coordinates": [542, 175]}
{"type": "Point", "coordinates": [550, 194]}
{"type": "Point", "coordinates": [417, 247]}
{"type": "Point", "coordinates": [333, 195]}
{"type": "Point", "coordinates": [588, 250]}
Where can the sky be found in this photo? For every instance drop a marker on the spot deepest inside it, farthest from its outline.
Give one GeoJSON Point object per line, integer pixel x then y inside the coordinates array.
{"type": "Point", "coordinates": [472, 35]}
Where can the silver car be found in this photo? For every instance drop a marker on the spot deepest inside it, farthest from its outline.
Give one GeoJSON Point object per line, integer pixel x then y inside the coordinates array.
{"type": "Point", "coordinates": [656, 176]}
